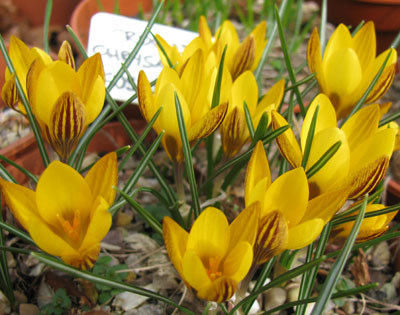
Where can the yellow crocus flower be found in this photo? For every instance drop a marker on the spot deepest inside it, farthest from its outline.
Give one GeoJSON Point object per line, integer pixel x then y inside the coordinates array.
{"type": "Point", "coordinates": [362, 159]}
{"type": "Point", "coordinates": [370, 227]}
{"type": "Point", "coordinates": [288, 219]}
{"type": "Point", "coordinates": [22, 58]}
{"type": "Point", "coordinates": [214, 256]}
{"type": "Point", "coordinates": [192, 88]}
{"type": "Point", "coordinates": [234, 130]}
{"type": "Point", "coordinates": [348, 66]}
{"type": "Point", "coordinates": [65, 101]}
{"type": "Point", "coordinates": [67, 214]}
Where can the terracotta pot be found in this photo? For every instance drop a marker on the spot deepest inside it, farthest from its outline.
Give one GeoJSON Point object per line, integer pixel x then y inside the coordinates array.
{"type": "Point", "coordinates": [384, 13]}
{"type": "Point", "coordinates": [392, 192]}
{"type": "Point", "coordinates": [25, 152]}
{"type": "Point", "coordinates": [34, 11]}
{"type": "Point", "coordinates": [80, 20]}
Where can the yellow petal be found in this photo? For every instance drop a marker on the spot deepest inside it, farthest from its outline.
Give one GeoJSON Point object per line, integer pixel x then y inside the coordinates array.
{"type": "Point", "coordinates": [326, 205]}
{"type": "Point", "coordinates": [194, 271]}
{"type": "Point", "coordinates": [270, 101]}
{"type": "Point", "coordinates": [326, 117]}
{"type": "Point", "coordinates": [44, 236]}
{"type": "Point", "coordinates": [259, 37]}
{"type": "Point", "coordinates": [257, 169]}
{"type": "Point", "coordinates": [314, 58]}
{"type": "Point", "coordinates": [208, 123]}
{"type": "Point", "coordinates": [98, 227]}
{"type": "Point", "coordinates": [65, 54]}
{"type": "Point", "coordinates": [343, 72]}
{"type": "Point", "coordinates": [67, 124]}
{"type": "Point", "coordinates": [245, 89]}
{"type": "Point", "coordinates": [365, 44]}
{"type": "Point", "coordinates": [171, 51]}
{"type": "Point", "coordinates": [238, 261]}
{"type": "Point", "coordinates": [287, 142]}
{"type": "Point", "coordinates": [204, 31]}
{"type": "Point", "coordinates": [361, 125]}
{"type": "Point", "coordinates": [103, 176]}
{"type": "Point", "coordinates": [271, 238]}
{"type": "Point", "coordinates": [370, 161]}
{"type": "Point", "coordinates": [340, 39]}
{"type": "Point", "coordinates": [304, 234]}
{"type": "Point", "coordinates": [175, 239]}
{"type": "Point", "coordinates": [91, 77]}
{"type": "Point", "coordinates": [219, 291]}
{"type": "Point", "coordinates": [294, 184]}
{"type": "Point", "coordinates": [245, 226]}
{"type": "Point", "coordinates": [336, 169]}
{"type": "Point", "coordinates": [145, 97]}
{"type": "Point", "coordinates": [20, 200]}
{"type": "Point", "coordinates": [210, 234]}
{"type": "Point", "coordinates": [60, 191]}
{"type": "Point", "coordinates": [51, 82]}
{"type": "Point", "coordinates": [193, 77]}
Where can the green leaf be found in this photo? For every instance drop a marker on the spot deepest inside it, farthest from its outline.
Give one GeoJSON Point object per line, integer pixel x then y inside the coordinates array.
{"type": "Point", "coordinates": [336, 270]}
{"type": "Point", "coordinates": [310, 137]}
{"type": "Point", "coordinates": [323, 159]}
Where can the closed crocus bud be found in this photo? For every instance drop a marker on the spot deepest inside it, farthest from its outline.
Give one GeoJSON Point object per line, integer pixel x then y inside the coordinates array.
{"type": "Point", "coordinates": [349, 65]}
{"type": "Point", "coordinates": [67, 215]}
{"type": "Point", "coordinates": [65, 101]}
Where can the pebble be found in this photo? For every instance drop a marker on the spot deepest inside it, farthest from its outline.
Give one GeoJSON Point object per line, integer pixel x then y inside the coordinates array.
{"type": "Point", "coordinates": [4, 304]}
{"type": "Point", "coordinates": [128, 301]}
{"type": "Point", "coordinates": [28, 309]}
{"type": "Point", "coordinates": [274, 297]}
{"type": "Point", "coordinates": [381, 255]}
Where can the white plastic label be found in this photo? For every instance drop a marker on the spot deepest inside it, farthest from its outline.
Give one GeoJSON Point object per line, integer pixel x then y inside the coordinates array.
{"type": "Point", "coordinates": [114, 37]}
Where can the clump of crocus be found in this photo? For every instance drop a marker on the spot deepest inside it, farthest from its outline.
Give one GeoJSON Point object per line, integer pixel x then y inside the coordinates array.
{"type": "Point", "coordinates": [371, 227]}
{"type": "Point", "coordinates": [239, 57]}
{"type": "Point", "coordinates": [65, 101]}
{"type": "Point", "coordinates": [234, 129]}
{"type": "Point", "coordinates": [288, 219]}
{"type": "Point", "coordinates": [214, 257]}
{"type": "Point", "coordinates": [349, 65]}
{"type": "Point", "coordinates": [22, 58]}
{"type": "Point", "coordinates": [67, 215]}
{"type": "Point", "coordinates": [192, 88]}
{"type": "Point", "coordinates": [362, 158]}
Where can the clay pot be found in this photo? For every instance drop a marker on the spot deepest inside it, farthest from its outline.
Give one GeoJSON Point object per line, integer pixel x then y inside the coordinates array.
{"type": "Point", "coordinates": [34, 11]}
{"type": "Point", "coordinates": [25, 152]}
{"type": "Point", "coordinates": [384, 13]}
{"type": "Point", "coordinates": [80, 20]}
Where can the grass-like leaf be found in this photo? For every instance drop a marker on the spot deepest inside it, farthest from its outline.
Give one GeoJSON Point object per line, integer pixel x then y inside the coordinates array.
{"type": "Point", "coordinates": [13, 230]}
{"type": "Point", "coordinates": [46, 24]}
{"type": "Point", "coordinates": [249, 121]}
{"type": "Point", "coordinates": [334, 275]}
{"type": "Point", "coordinates": [188, 158]}
{"type": "Point", "coordinates": [310, 137]}
{"type": "Point", "coordinates": [9, 177]}
{"type": "Point", "coordinates": [323, 159]}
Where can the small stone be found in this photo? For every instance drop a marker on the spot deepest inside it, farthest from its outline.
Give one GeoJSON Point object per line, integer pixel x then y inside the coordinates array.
{"type": "Point", "coordinates": [348, 307]}
{"type": "Point", "coordinates": [381, 255]}
{"type": "Point", "coordinates": [293, 293]}
{"type": "Point", "coordinates": [274, 297]}
{"type": "Point", "coordinates": [141, 242]}
{"type": "Point", "coordinates": [28, 309]}
{"type": "Point", "coordinates": [4, 304]}
{"type": "Point", "coordinates": [11, 262]}
{"type": "Point", "coordinates": [20, 297]}
{"type": "Point", "coordinates": [129, 301]}
{"type": "Point", "coordinates": [45, 294]}
{"type": "Point", "coordinates": [396, 280]}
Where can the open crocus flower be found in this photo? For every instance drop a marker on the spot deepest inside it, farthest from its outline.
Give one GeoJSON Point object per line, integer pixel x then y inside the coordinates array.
{"type": "Point", "coordinates": [234, 130]}
{"type": "Point", "coordinates": [288, 219]}
{"type": "Point", "coordinates": [360, 162]}
{"type": "Point", "coordinates": [65, 101]}
{"type": "Point", "coordinates": [192, 89]}
{"type": "Point", "coordinates": [215, 256]}
{"type": "Point", "coordinates": [370, 227]}
{"type": "Point", "coordinates": [22, 58]}
{"type": "Point", "coordinates": [67, 214]}
{"type": "Point", "coordinates": [349, 65]}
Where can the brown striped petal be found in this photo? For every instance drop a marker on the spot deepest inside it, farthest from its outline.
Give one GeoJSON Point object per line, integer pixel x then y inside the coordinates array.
{"type": "Point", "coordinates": [383, 84]}
{"type": "Point", "coordinates": [9, 93]}
{"type": "Point", "coordinates": [65, 54]}
{"type": "Point", "coordinates": [272, 236]}
{"type": "Point", "coordinates": [244, 57]}
{"type": "Point", "coordinates": [233, 132]}
{"type": "Point", "coordinates": [220, 290]}
{"type": "Point", "coordinates": [67, 124]}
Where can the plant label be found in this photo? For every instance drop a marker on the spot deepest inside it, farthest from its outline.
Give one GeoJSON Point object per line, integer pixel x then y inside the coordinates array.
{"type": "Point", "coordinates": [115, 36]}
